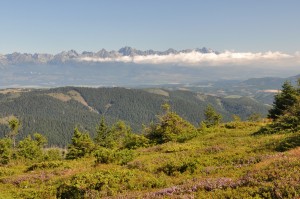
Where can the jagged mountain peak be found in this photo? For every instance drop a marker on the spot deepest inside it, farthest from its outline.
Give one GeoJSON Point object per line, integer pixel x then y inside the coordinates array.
{"type": "Point", "coordinates": [73, 55]}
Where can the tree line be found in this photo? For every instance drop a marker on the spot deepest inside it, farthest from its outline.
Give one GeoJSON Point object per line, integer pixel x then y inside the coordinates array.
{"type": "Point", "coordinates": [111, 143]}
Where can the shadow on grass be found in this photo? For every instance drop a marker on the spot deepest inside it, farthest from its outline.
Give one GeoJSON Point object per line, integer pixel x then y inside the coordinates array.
{"type": "Point", "coordinates": [289, 143]}
{"type": "Point", "coordinates": [262, 131]}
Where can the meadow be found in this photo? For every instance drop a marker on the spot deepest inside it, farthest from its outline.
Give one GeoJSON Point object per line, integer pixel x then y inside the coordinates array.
{"type": "Point", "coordinates": [225, 161]}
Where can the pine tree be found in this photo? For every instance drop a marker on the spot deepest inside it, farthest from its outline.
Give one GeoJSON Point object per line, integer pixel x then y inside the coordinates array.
{"type": "Point", "coordinates": [82, 145]}
{"type": "Point", "coordinates": [5, 150]}
{"type": "Point", "coordinates": [212, 118]}
{"type": "Point", "coordinates": [32, 148]}
{"type": "Point", "coordinates": [283, 100]}
{"type": "Point", "coordinates": [171, 127]}
{"type": "Point", "coordinates": [285, 111]}
{"type": "Point", "coordinates": [14, 125]}
{"type": "Point", "coordinates": [40, 139]}
{"type": "Point", "coordinates": [102, 131]}
{"type": "Point", "coordinates": [116, 137]}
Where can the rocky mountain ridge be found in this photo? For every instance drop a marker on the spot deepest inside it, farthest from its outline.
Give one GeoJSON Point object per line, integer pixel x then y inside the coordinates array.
{"type": "Point", "coordinates": [73, 56]}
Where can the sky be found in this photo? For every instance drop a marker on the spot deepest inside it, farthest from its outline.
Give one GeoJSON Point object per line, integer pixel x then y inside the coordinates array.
{"type": "Point", "coordinates": [52, 26]}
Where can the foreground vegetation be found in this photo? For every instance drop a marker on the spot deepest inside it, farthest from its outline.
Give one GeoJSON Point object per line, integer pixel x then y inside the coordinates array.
{"type": "Point", "coordinates": [171, 159]}
{"type": "Point", "coordinates": [224, 161]}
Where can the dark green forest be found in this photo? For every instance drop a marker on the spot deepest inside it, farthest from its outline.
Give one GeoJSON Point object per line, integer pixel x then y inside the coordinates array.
{"type": "Point", "coordinates": [55, 112]}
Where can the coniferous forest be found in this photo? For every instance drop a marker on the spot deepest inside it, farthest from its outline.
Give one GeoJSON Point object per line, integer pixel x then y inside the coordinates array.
{"type": "Point", "coordinates": [55, 112]}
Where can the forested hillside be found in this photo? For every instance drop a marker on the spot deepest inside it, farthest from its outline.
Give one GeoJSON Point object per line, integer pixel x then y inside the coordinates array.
{"type": "Point", "coordinates": [55, 112]}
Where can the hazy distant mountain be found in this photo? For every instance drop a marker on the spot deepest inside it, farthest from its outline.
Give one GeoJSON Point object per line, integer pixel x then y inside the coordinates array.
{"type": "Point", "coordinates": [131, 67]}
{"type": "Point", "coordinates": [261, 89]}
{"type": "Point", "coordinates": [73, 56]}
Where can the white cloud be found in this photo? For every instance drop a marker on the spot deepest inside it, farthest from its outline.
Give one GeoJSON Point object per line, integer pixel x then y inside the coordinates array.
{"type": "Point", "coordinates": [197, 59]}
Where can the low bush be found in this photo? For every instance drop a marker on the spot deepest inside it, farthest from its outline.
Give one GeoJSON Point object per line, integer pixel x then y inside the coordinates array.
{"type": "Point", "coordinates": [53, 154]}
{"type": "Point", "coordinates": [173, 167]}
{"type": "Point", "coordinates": [104, 156]}
{"type": "Point", "coordinates": [45, 165]}
{"type": "Point", "coordinates": [134, 141]}
{"type": "Point", "coordinates": [106, 183]}
{"type": "Point", "coordinates": [6, 172]}
{"type": "Point", "coordinates": [120, 157]}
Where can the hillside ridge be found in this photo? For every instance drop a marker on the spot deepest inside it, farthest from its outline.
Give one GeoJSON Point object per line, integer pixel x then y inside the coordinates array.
{"type": "Point", "coordinates": [55, 112]}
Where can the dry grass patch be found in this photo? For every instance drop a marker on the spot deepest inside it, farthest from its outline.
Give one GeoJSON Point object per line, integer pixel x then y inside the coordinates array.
{"type": "Point", "coordinates": [72, 95]}
{"type": "Point", "coordinates": [60, 96]}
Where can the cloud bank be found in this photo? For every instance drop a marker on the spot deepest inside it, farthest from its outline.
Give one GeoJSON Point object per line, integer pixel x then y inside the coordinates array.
{"type": "Point", "coordinates": [196, 59]}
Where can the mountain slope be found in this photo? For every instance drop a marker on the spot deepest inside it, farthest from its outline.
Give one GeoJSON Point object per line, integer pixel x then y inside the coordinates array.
{"type": "Point", "coordinates": [55, 112]}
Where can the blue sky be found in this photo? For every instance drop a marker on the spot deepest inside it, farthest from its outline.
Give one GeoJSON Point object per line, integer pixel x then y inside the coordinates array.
{"type": "Point", "coordinates": [51, 26]}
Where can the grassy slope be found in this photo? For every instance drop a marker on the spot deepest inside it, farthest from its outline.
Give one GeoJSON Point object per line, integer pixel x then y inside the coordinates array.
{"type": "Point", "coordinates": [220, 163]}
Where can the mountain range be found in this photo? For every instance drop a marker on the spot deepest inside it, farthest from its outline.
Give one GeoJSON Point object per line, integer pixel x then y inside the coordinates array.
{"type": "Point", "coordinates": [130, 67]}
{"type": "Point", "coordinates": [73, 56]}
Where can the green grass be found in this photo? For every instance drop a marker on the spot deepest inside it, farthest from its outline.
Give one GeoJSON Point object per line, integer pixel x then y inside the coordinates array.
{"type": "Point", "coordinates": [218, 163]}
